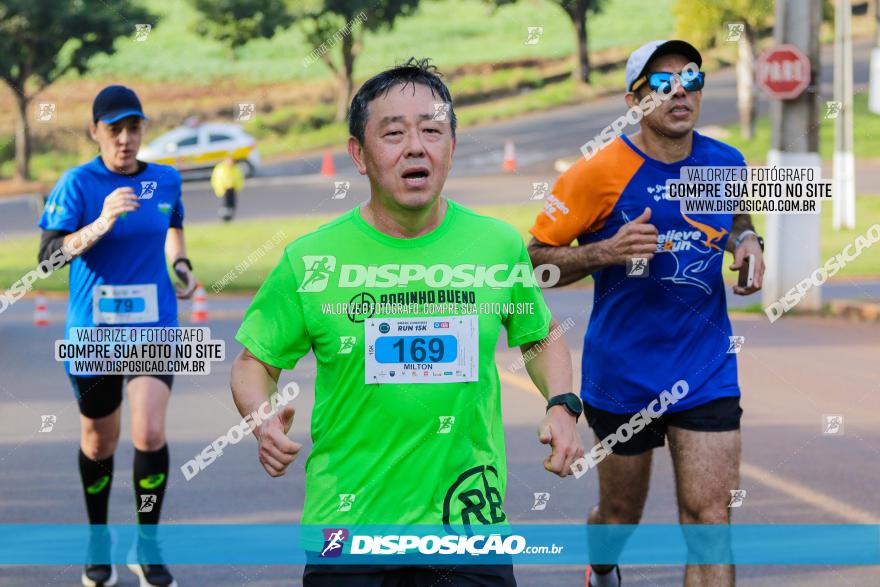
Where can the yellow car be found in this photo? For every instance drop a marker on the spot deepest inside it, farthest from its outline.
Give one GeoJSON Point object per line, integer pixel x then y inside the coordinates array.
{"type": "Point", "coordinates": [203, 146]}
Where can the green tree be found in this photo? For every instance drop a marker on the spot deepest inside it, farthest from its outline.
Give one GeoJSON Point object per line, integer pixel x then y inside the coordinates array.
{"type": "Point", "coordinates": [235, 22]}
{"type": "Point", "coordinates": [41, 40]}
{"type": "Point", "coordinates": [342, 23]}
{"type": "Point", "coordinates": [577, 11]}
{"type": "Point", "coordinates": [704, 23]}
{"type": "Point", "coordinates": [333, 28]}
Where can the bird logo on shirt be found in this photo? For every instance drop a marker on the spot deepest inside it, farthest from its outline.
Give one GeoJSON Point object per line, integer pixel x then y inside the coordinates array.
{"type": "Point", "coordinates": [692, 273]}
{"type": "Point", "coordinates": [713, 235]}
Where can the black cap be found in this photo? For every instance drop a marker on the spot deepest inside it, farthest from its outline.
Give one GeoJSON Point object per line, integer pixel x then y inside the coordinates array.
{"type": "Point", "coordinates": [115, 103]}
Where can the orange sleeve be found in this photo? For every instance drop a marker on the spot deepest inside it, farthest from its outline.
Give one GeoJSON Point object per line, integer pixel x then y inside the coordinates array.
{"type": "Point", "coordinates": [584, 196]}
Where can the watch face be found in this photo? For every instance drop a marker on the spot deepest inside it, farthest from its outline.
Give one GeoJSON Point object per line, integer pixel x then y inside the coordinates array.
{"type": "Point", "coordinates": [570, 402]}
{"type": "Point", "coordinates": [573, 404]}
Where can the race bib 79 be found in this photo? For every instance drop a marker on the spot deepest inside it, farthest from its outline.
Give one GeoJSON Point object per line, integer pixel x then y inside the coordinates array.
{"type": "Point", "coordinates": [124, 304]}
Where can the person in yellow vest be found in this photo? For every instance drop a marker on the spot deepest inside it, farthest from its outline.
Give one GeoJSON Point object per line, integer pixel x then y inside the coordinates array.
{"type": "Point", "coordinates": [227, 179]}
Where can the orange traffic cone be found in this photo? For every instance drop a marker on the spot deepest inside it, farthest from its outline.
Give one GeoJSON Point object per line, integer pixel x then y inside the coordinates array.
{"type": "Point", "coordinates": [327, 168]}
{"type": "Point", "coordinates": [509, 157]}
{"type": "Point", "coordinates": [200, 306]}
{"type": "Point", "coordinates": [41, 311]}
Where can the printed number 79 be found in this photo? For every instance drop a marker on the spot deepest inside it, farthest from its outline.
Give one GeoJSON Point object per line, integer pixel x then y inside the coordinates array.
{"type": "Point", "coordinates": [123, 305]}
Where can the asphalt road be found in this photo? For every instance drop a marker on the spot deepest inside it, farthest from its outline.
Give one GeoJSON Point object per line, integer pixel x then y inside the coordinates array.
{"type": "Point", "coordinates": [792, 373]}
{"type": "Point", "coordinates": [295, 186]}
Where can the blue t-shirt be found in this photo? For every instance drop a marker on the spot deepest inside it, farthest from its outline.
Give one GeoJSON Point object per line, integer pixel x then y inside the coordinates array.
{"type": "Point", "coordinates": [133, 251]}
{"type": "Point", "coordinates": [647, 333]}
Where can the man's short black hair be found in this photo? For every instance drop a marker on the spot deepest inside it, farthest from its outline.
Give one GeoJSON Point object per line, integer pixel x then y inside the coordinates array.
{"type": "Point", "coordinates": [414, 71]}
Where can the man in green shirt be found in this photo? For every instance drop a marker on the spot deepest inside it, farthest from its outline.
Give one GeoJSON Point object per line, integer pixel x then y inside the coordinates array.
{"type": "Point", "coordinates": [402, 301]}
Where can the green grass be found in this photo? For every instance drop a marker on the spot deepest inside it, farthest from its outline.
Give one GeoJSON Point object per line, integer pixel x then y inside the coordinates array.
{"type": "Point", "coordinates": [281, 140]}
{"type": "Point", "coordinates": [566, 92]}
{"type": "Point", "coordinates": [47, 166]}
{"type": "Point", "coordinates": [452, 32]}
{"type": "Point", "coordinates": [504, 79]}
{"type": "Point", "coordinates": [219, 249]}
{"type": "Point", "coordinates": [833, 241]}
{"type": "Point", "coordinates": [331, 135]}
{"type": "Point", "coordinates": [289, 130]}
{"type": "Point", "coordinates": [540, 99]}
{"type": "Point", "coordinates": [866, 125]}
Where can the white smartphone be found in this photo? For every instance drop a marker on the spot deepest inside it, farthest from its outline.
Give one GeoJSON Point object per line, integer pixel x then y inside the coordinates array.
{"type": "Point", "coordinates": [747, 272]}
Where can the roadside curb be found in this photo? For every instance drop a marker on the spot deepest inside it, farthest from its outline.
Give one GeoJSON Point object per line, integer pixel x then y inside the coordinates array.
{"type": "Point", "coordinates": [31, 196]}
{"type": "Point", "coordinates": [860, 310]}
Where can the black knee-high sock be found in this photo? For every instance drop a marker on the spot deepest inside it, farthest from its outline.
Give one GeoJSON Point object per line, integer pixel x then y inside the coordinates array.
{"type": "Point", "coordinates": [150, 479]}
{"type": "Point", "coordinates": [97, 477]}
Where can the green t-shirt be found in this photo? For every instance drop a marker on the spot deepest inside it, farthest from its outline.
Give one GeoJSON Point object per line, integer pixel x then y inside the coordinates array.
{"type": "Point", "coordinates": [424, 443]}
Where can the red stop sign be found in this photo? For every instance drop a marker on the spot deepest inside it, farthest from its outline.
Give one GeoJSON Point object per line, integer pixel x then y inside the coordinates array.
{"type": "Point", "coordinates": [783, 72]}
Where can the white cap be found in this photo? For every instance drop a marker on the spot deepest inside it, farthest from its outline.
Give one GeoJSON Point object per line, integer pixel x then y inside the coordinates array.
{"type": "Point", "coordinates": [641, 57]}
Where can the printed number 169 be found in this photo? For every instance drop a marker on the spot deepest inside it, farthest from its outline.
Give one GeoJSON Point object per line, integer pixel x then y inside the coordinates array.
{"type": "Point", "coordinates": [418, 350]}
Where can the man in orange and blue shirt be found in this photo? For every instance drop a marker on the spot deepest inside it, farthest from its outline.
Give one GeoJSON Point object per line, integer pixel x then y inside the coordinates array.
{"type": "Point", "coordinates": [659, 313]}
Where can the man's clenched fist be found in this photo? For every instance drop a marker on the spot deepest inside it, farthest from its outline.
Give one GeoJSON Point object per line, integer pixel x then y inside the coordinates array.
{"type": "Point", "coordinates": [637, 238]}
{"type": "Point", "coordinates": [275, 448]}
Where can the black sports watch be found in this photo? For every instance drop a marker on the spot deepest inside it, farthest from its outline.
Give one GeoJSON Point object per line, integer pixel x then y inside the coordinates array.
{"type": "Point", "coordinates": [571, 403]}
{"type": "Point", "coordinates": [183, 260]}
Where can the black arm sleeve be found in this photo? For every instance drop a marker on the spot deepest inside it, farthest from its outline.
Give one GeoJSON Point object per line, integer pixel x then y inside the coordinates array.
{"type": "Point", "coordinates": [176, 220]}
{"type": "Point", "coordinates": [51, 241]}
